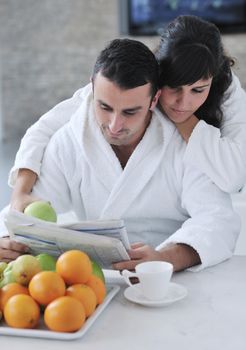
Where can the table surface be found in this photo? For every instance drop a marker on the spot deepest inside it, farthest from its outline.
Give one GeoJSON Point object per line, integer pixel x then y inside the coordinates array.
{"type": "Point", "coordinates": [212, 316]}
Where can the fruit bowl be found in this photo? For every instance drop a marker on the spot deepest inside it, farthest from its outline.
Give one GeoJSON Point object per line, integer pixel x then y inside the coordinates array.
{"type": "Point", "coordinates": [43, 332]}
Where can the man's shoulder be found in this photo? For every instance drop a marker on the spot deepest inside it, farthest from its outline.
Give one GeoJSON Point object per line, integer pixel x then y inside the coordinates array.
{"type": "Point", "coordinates": [171, 137]}
{"type": "Point", "coordinates": [71, 104]}
{"type": "Point", "coordinates": [62, 140]}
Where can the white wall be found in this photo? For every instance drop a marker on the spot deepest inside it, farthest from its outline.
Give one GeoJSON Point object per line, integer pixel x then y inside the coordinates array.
{"type": "Point", "coordinates": [1, 115]}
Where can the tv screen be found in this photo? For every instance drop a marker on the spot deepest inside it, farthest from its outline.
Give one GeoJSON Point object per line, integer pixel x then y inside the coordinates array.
{"type": "Point", "coordinates": [147, 17]}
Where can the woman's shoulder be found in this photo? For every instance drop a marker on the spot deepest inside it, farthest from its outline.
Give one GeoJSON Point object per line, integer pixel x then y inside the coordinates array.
{"type": "Point", "coordinates": [234, 91]}
{"type": "Point", "coordinates": [234, 103]}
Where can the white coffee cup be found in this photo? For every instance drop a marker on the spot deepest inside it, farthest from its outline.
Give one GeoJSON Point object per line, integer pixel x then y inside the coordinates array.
{"type": "Point", "coordinates": [154, 278]}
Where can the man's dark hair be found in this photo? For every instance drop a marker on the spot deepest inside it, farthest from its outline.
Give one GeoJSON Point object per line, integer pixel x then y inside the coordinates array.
{"type": "Point", "coordinates": [129, 64]}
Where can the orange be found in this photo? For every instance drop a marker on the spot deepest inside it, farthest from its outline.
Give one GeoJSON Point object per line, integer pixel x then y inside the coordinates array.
{"type": "Point", "coordinates": [98, 286]}
{"type": "Point", "coordinates": [46, 286]}
{"type": "Point", "coordinates": [64, 314]}
{"type": "Point", "coordinates": [21, 311]}
{"type": "Point", "coordinates": [85, 295]}
{"type": "Point", "coordinates": [74, 267]}
{"type": "Point", "coordinates": [9, 290]}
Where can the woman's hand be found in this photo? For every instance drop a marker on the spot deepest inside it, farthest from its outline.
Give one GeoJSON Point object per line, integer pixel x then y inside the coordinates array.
{"type": "Point", "coordinates": [10, 250]}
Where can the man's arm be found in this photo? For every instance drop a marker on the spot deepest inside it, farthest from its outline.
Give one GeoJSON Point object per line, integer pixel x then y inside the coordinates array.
{"type": "Point", "coordinates": [21, 195]}
{"type": "Point", "coordinates": [213, 227]}
{"type": "Point", "coordinates": [29, 157]}
{"type": "Point", "coordinates": [181, 256]}
{"type": "Point", "coordinates": [53, 183]}
{"type": "Point", "coordinates": [206, 238]}
{"type": "Point", "coordinates": [51, 186]}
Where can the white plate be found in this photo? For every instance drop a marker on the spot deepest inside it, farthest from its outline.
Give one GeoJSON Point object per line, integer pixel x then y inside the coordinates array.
{"type": "Point", "coordinates": [175, 292]}
{"type": "Point", "coordinates": [42, 332]}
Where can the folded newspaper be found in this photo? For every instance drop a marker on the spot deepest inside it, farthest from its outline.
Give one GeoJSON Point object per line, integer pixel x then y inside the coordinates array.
{"type": "Point", "coordinates": [105, 241]}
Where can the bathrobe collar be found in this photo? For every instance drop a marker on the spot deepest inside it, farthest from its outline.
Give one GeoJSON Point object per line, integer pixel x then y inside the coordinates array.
{"type": "Point", "coordinates": [123, 185]}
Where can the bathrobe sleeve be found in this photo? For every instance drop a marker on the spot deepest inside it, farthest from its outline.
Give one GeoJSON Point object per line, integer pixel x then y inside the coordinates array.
{"type": "Point", "coordinates": [34, 142]}
{"type": "Point", "coordinates": [3, 229]}
{"type": "Point", "coordinates": [220, 153]}
{"type": "Point", "coordinates": [56, 174]}
{"type": "Point", "coordinates": [213, 227]}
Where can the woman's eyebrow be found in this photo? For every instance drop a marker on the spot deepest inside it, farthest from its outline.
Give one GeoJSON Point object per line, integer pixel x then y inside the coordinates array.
{"type": "Point", "coordinates": [201, 86]}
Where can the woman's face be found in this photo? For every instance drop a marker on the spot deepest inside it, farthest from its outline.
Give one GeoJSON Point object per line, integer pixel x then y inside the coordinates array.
{"type": "Point", "coordinates": [182, 102]}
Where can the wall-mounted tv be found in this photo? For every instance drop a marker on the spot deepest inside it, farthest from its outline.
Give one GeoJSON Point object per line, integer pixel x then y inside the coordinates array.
{"type": "Point", "coordinates": [148, 17]}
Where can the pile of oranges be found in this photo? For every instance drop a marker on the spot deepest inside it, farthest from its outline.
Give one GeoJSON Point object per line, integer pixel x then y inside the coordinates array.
{"type": "Point", "coordinates": [67, 296]}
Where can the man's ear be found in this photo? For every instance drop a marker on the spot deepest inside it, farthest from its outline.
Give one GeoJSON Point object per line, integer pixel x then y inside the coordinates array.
{"type": "Point", "coordinates": [155, 100]}
{"type": "Point", "coordinates": [92, 82]}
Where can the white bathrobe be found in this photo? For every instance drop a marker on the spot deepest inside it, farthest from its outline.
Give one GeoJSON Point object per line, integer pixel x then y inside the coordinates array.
{"type": "Point", "coordinates": [219, 153]}
{"type": "Point", "coordinates": [161, 199]}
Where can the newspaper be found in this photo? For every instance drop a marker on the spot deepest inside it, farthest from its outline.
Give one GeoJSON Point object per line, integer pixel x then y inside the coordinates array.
{"type": "Point", "coordinates": [105, 241]}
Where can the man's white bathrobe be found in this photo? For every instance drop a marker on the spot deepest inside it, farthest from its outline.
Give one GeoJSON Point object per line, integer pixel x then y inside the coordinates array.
{"type": "Point", "coordinates": [161, 199]}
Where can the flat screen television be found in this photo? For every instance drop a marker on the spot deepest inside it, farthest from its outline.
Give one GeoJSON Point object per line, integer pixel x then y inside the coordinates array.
{"type": "Point", "coordinates": [148, 17]}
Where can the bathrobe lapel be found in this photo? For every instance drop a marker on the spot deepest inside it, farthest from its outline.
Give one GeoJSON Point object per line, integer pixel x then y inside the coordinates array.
{"type": "Point", "coordinates": [139, 169]}
{"type": "Point", "coordinates": [123, 186]}
{"type": "Point", "coordinates": [96, 151]}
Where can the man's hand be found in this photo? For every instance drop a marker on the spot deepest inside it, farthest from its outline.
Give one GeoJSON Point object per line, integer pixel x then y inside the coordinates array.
{"type": "Point", "coordinates": [21, 195]}
{"type": "Point", "coordinates": [181, 256]}
{"type": "Point", "coordinates": [10, 250]}
{"type": "Point", "coordinates": [138, 253]}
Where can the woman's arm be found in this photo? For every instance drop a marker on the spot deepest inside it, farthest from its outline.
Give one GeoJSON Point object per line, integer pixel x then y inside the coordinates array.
{"type": "Point", "coordinates": [220, 153]}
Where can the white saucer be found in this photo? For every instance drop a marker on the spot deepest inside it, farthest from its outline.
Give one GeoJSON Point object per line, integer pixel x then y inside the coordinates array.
{"type": "Point", "coordinates": [175, 292]}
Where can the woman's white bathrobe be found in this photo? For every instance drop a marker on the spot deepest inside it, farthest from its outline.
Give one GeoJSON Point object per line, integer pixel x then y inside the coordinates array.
{"type": "Point", "coordinates": [161, 199]}
{"type": "Point", "coordinates": [219, 153]}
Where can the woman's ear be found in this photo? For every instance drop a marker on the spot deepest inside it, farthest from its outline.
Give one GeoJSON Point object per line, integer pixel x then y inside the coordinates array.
{"type": "Point", "coordinates": [155, 100]}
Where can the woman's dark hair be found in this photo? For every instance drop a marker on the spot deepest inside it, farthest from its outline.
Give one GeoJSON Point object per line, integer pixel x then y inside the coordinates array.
{"type": "Point", "coordinates": [128, 63]}
{"type": "Point", "coordinates": [191, 49]}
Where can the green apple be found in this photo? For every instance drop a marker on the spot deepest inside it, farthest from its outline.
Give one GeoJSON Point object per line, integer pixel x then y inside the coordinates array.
{"type": "Point", "coordinates": [9, 267]}
{"type": "Point", "coordinates": [97, 270]}
{"type": "Point", "coordinates": [24, 268]}
{"type": "Point", "coordinates": [47, 262]}
{"type": "Point", "coordinates": [41, 210]}
{"type": "Point", "coordinates": [7, 276]}
{"type": "Point", "coordinates": [3, 266]}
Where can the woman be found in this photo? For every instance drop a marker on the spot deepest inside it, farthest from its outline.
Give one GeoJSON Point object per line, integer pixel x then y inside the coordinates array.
{"type": "Point", "coordinates": [202, 96]}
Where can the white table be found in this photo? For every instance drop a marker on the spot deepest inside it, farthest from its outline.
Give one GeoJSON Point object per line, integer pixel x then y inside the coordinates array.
{"type": "Point", "coordinates": [211, 317]}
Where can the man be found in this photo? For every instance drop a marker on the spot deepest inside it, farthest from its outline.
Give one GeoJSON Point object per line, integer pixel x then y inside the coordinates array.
{"type": "Point", "coordinates": [119, 157]}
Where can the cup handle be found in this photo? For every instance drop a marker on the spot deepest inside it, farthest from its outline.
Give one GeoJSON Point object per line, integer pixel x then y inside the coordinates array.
{"type": "Point", "coordinates": [127, 274]}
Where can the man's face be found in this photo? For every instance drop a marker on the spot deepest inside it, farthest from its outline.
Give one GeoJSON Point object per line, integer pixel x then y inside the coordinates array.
{"type": "Point", "coordinates": [122, 115]}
